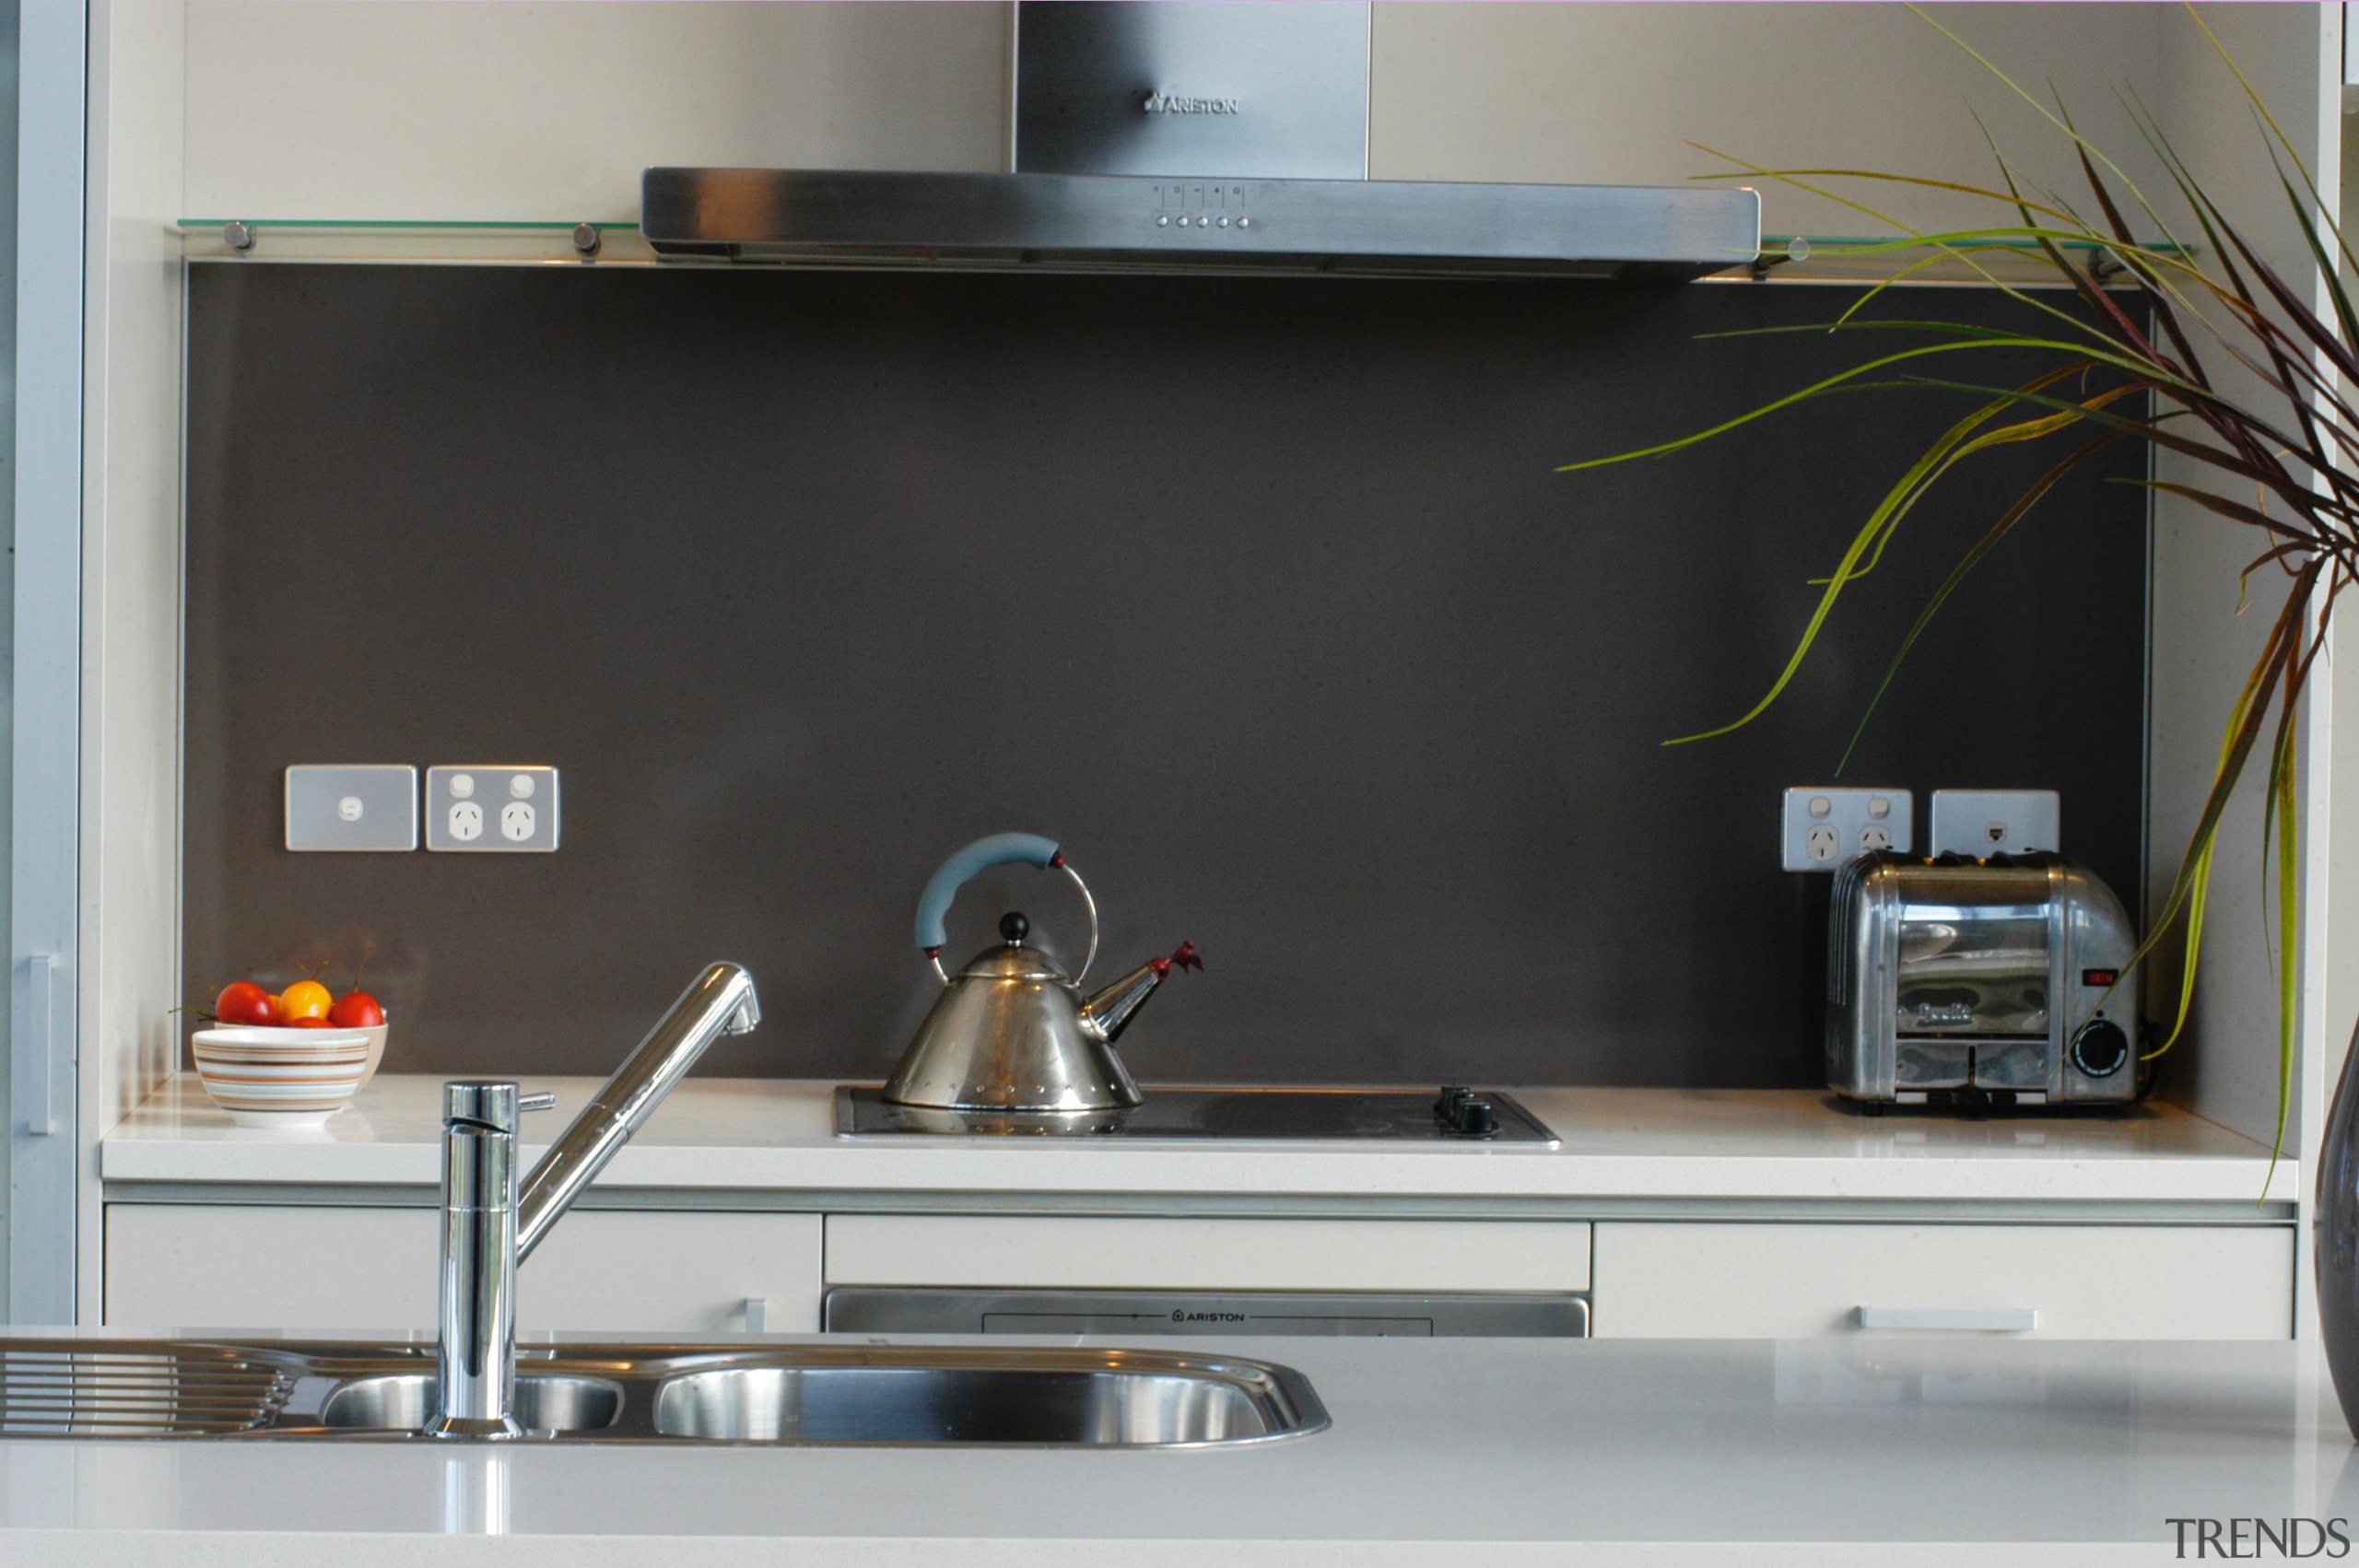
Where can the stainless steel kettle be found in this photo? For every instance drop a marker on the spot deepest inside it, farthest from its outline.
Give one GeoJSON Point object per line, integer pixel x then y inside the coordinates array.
{"type": "Point", "coordinates": [1011, 1031]}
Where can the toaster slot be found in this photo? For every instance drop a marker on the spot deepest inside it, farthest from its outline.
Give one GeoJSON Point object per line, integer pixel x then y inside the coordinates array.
{"type": "Point", "coordinates": [1933, 1064]}
{"type": "Point", "coordinates": [2017, 1064]}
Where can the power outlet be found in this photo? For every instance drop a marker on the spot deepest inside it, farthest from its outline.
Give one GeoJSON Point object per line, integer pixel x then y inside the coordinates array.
{"type": "Point", "coordinates": [1996, 822]}
{"type": "Point", "coordinates": [500, 809]}
{"type": "Point", "coordinates": [1826, 827]}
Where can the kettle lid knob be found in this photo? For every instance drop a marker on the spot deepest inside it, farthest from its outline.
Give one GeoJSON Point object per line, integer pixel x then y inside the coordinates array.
{"type": "Point", "coordinates": [1013, 926]}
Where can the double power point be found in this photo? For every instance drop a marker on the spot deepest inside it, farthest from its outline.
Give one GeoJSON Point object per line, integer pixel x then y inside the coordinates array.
{"type": "Point", "coordinates": [1826, 827]}
{"type": "Point", "coordinates": [500, 809]}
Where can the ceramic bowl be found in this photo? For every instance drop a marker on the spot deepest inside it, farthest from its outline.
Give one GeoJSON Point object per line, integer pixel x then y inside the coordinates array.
{"type": "Point", "coordinates": [376, 1040]}
{"type": "Point", "coordinates": [284, 1078]}
{"type": "Point", "coordinates": [375, 1048]}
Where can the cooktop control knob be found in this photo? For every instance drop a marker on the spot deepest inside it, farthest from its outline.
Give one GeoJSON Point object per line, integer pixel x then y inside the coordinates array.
{"type": "Point", "coordinates": [2100, 1048]}
{"type": "Point", "coordinates": [1465, 1114]}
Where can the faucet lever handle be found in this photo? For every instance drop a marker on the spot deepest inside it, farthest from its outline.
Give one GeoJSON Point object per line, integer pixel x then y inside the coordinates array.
{"type": "Point", "coordinates": [543, 1101]}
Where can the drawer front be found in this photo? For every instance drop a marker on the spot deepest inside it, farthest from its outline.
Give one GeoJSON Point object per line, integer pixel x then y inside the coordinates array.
{"type": "Point", "coordinates": [338, 1271]}
{"type": "Point", "coordinates": [2044, 1282]}
{"type": "Point", "coordinates": [354, 1270]}
{"type": "Point", "coordinates": [1457, 1255]}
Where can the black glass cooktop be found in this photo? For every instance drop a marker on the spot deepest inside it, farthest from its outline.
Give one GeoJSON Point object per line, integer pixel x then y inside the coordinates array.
{"type": "Point", "coordinates": [1454, 1115]}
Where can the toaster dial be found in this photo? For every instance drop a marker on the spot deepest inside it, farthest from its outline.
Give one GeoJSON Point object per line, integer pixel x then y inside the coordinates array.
{"type": "Point", "coordinates": [2100, 1048]}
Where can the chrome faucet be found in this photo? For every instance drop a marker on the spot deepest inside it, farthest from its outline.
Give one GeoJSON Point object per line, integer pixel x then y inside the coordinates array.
{"type": "Point", "coordinates": [491, 1223]}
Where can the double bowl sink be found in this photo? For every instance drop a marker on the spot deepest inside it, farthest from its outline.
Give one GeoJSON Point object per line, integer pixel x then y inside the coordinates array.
{"type": "Point", "coordinates": [828, 1394]}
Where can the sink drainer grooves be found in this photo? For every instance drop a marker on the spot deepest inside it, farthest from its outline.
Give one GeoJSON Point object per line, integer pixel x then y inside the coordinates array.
{"type": "Point", "coordinates": [94, 1391]}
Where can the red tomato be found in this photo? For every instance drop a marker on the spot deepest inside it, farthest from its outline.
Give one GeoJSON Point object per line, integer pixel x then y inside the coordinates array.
{"type": "Point", "coordinates": [356, 1010]}
{"type": "Point", "coordinates": [242, 1002]}
{"type": "Point", "coordinates": [310, 1024]}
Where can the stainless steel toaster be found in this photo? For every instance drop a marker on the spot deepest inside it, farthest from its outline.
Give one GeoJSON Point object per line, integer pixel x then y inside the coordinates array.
{"type": "Point", "coordinates": [1958, 981]}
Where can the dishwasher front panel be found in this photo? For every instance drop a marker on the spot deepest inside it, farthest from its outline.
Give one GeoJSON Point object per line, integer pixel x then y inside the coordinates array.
{"type": "Point", "coordinates": [901, 1309]}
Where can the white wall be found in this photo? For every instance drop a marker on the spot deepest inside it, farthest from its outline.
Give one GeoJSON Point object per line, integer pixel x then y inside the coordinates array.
{"type": "Point", "coordinates": [2342, 990]}
{"type": "Point", "coordinates": [1615, 93]}
{"type": "Point", "coordinates": [297, 109]}
{"type": "Point", "coordinates": [130, 848]}
{"type": "Point", "coordinates": [2202, 649]}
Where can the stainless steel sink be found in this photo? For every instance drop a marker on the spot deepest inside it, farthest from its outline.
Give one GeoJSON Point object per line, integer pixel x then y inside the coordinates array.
{"type": "Point", "coordinates": [1097, 1406]}
{"type": "Point", "coordinates": [401, 1401]}
{"type": "Point", "coordinates": [809, 1393]}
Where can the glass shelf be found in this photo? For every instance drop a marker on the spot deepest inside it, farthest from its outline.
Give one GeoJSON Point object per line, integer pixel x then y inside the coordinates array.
{"type": "Point", "coordinates": [520, 242]}
{"type": "Point", "coordinates": [1846, 258]}
{"type": "Point", "coordinates": [529, 241]}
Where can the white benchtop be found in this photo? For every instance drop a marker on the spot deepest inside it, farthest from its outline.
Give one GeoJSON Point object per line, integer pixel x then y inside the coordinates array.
{"type": "Point", "coordinates": [1443, 1451]}
{"type": "Point", "coordinates": [755, 1134]}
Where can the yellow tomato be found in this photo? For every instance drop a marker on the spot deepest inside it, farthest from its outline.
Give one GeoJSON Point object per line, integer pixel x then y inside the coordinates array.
{"type": "Point", "coordinates": [304, 999]}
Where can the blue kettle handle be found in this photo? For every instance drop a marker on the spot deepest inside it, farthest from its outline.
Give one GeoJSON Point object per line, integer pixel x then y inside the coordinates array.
{"type": "Point", "coordinates": [998, 850]}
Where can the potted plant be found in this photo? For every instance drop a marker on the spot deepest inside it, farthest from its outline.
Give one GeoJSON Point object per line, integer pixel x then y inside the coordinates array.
{"type": "Point", "coordinates": [2195, 346]}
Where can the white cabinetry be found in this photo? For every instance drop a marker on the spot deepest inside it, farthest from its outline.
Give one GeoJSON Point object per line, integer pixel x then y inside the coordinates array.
{"type": "Point", "coordinates": [217, 1267]}
{"type": "Point", "coordinates": [211, 1267]}
{"type": "Point", "coordinates": [2047, 1281]}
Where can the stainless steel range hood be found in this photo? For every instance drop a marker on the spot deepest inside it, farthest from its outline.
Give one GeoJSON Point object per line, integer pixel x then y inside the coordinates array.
{"type": "Point", "coordinates": [1172, 135]}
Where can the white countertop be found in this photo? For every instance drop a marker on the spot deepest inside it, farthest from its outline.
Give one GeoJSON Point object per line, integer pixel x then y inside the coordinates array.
{"type": "Point", "coordinates": [1658, 1452]}
{"type": "Point", "coordinates": [754, 1134]}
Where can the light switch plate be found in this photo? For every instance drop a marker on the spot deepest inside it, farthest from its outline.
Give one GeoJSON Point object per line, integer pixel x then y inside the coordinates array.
{"type": "Point", "coordinates": [497, 808]}
{"type": "Point", "coordinates": [1826, 827]}
{"type": "Point", "coordinates": [351, 807]}
{"type": "Point", "coordinates": [1995, 822]}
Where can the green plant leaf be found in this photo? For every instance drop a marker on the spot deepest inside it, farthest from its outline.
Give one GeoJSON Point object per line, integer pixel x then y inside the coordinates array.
{"type": "Point", "coordinates": [1972, 558]}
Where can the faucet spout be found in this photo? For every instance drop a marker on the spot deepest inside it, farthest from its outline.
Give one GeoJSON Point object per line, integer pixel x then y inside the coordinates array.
{"type": "Point", "coordinates": [488, 1226]}
{"type": "Point", "coordinates": [721, 1001]}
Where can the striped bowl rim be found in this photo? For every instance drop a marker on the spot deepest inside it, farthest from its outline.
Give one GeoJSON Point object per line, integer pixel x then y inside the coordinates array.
{"type": "Point", "coordinates": [267, 1038]}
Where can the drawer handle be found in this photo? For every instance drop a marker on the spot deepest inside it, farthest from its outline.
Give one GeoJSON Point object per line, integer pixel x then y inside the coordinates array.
{"type": "Point", "coordinates": [1978, 1319]}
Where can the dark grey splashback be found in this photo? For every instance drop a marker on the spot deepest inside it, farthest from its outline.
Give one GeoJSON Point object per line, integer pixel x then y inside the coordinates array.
{"type": "Point", "coordinates": [1261, 594]}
